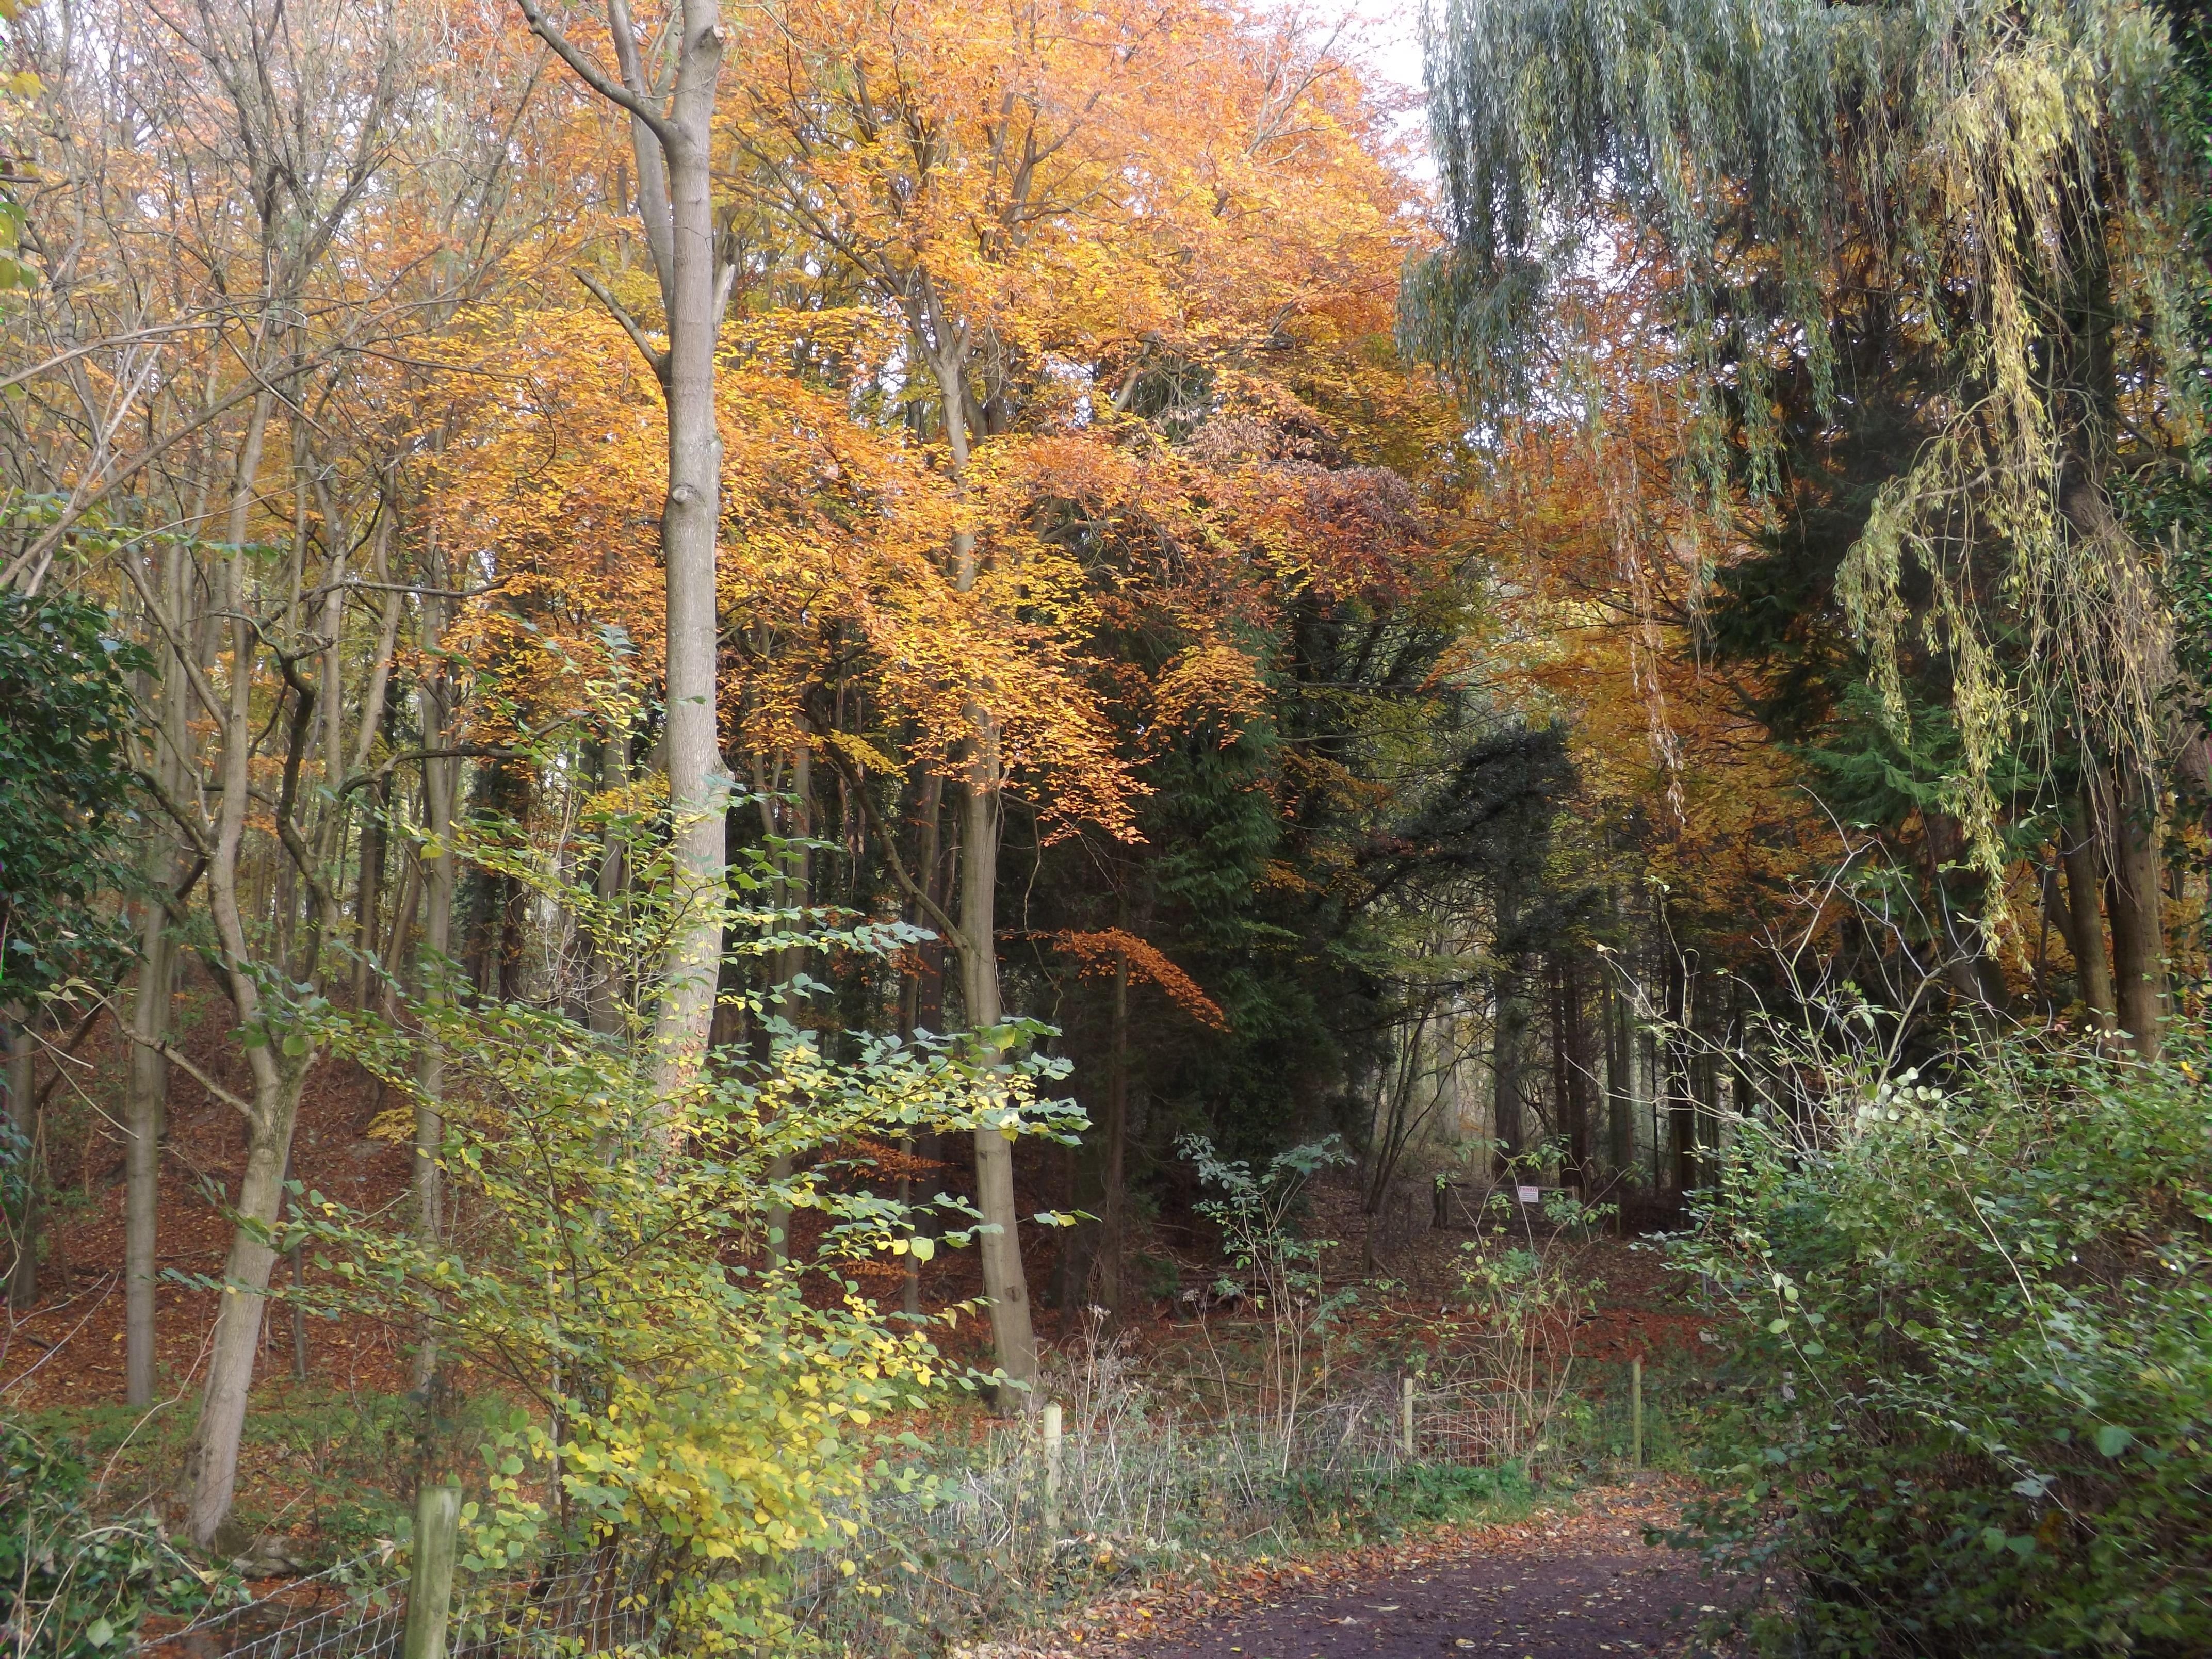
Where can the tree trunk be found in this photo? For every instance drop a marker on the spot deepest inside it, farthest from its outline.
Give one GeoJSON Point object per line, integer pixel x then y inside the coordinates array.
{"type": "Point", "coordinates": [146, 1100]}
{"type": "Point", "coordinates": [1973, 977]}
{"type": "Point", "coordinates": [1014, 1338]}
{"type": "Point", "coordinates": [693, 293]}
{"type": "Point", "coordinates": [212, 1463]}
{"type": "Point", "coordinates": [144, 1109]}
{"type": "Point", "coordinates": [1507, 1027]}
{"type": "Point", "coordinates": [2078, 853]}
{"type": "Point", "coordinates": [434, 976]}
{"type": "Point", "coordinates": [23, 1124]}
{"type": "Point", "coordinates": [1115, 1173]}
{"type": "Point", "coordinates": [1013, 1334]}
{"type": "Point", "coordinates": [1579, 1068]}
{"type": "Point", "coordinates": [922, 1003]}
{"type": "Point", "coordinates": [1619, 1087]}
{"type": "Point", "coordinates": [795, 891]}
{"type": "Point", "coordinates": [1673, 1079]}
{"type": "Point", "coordinates": [2133, 896]}
{"type": "Point", "coordinates": [368, 890]}
{"type": "Point", "coordinates": [671, 143]}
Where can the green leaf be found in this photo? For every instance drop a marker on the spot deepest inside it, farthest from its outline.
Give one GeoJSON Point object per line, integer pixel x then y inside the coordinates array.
{"type": "Point", "coordinates": [100, 1633]}
{"type": "Point", "coordinates": [296, 1045]}
{"type": "Point", "coordinates": [2112, 1439]}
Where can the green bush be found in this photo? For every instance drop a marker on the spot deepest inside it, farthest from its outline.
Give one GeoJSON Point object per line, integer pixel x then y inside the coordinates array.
{"type": "Point", "coordinates": [72, 1587]}
{"type": "Point", "coordinates": [1968, 1333]}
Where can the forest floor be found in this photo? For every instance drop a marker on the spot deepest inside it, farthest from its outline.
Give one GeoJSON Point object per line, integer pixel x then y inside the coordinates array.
{"type": "Point", "coordinates": [1574, 1580]}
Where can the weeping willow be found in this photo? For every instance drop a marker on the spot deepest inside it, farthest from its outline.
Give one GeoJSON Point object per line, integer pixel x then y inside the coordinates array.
{"type": "Point", "coordinates": [2007, 179]}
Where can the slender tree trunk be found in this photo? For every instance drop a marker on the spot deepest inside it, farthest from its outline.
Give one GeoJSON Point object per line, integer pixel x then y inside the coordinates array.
{"type": "Point", "coordinates": [147, 1101]}
{"type": "Point", "coordinates": [606, 987]}
{"type": "Point", "coordinates": [23, 1121]}
{"type": "Point", "coordinates": [1508, 1029]}
{"type": "Point", "coordinates": [1111, 1215]}
{"type": "Point", "coordinates": [1620, 1086]}
{"type": "Point", "coordinates": [671, 142]}
{"type": "Point", "coordinates": [368, 890]}
{"type": "Point", "coordinates": [435, 976]}
{"type": "Point", "coordinates": [1576, 1049]}
{"type": "Point", "coordinates": [924, 1001]}
{"type": "Point", "coordinates": [273, 1107]}
{"type": "Point", "coordinates": [144, 1109]}
{"type": "Point", "coordinates": [236, 1342]}
{"type": "Point", "coordinates": [1005, 1283]}
{"type": "Point", "coordinates": [1674, 1079]}
{"type": "Point", "coordinates": [795, 889]}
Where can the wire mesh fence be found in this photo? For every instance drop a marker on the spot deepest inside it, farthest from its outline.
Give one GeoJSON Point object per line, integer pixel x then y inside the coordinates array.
{"type": "Point", "coordinates": [1120, 1487]}
{"type": "Point", "coordinates": [602, 1601]}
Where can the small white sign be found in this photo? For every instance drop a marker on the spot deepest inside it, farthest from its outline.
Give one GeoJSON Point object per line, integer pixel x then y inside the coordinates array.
{"type": "Point", "coordinates": [1530, 1194]}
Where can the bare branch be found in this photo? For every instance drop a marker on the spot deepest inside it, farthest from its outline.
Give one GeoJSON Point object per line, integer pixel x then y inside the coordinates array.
{"type": "Point", "coordinates": [655, 360]}
{"type": "Point", "coordinates": [182, 1062]}
{"type": "Point", "coordinates": [597, 78]}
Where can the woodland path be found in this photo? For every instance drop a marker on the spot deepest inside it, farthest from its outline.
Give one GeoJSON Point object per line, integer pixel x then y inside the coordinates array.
{"type": "Point", "coordinates": [1576, 1583]}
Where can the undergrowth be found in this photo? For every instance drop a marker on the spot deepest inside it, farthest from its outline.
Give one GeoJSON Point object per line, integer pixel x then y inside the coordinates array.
{"type": "Point", "coordinates": [1966, 1333]}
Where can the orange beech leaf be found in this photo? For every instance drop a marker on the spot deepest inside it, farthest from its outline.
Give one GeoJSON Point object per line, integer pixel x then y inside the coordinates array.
{"type": "Point", "coordinates": [1107, 949]}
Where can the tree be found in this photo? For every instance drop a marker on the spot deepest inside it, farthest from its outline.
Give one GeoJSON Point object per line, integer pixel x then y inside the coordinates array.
{"type": "Point", "coordinates": [670, 106]}
{"type": "Point", "coordinates": [2005, 175]}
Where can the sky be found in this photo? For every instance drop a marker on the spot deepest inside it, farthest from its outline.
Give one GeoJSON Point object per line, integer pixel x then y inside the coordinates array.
{"type": "Point", "coordinates": [1390, 45]}
{"type": "Point", "coordinates": [1393, 31]}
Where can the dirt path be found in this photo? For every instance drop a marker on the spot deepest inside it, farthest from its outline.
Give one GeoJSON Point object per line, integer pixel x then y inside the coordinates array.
{"type": "Point", "coordinates": [1530, 1606]}
{"type": "Point", "coordinates": [1573, 1583]}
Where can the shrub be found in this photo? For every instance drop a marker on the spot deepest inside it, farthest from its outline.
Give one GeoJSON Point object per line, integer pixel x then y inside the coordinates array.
{"type": "Point", "coordinates": [1969, 1333]}
{"type": "Point", "coordinates": [684, 1371]}
{"type": "Point", "coordinates": [70, 1587]}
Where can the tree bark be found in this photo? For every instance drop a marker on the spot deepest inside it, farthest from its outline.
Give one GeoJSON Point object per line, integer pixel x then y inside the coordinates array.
{"type": "Point", "coordinates": [1115, 1172]}
{"type": "Point", "coordinates": [691, 527]}
{"type": "Point", "coordinates": [2135, 900]}
{"type": "Point", "coordinates": [147, 1101]}
{"type": "Point", "coordinates": [946, 346]}
{"type": "Point", "coordinates": [1673, 1079]}
{"type": "Point", "coordinates": [2079, 854]}
{"type": "Point", "coordinates": [433, 978]}
{"type": "Point", "coordinates": [1013, 1335]}
{"type": "Point", "coordinates": [672, 144]}
{"type": "Point", "coordinates": [1509, 1025]}
{"type": "Point", "coordinates": [211, 1464]}
{"type": "Point", "coordinates": [1620, 1086]}
{"type": "Point", "coordinates": [923, 1000]}
{"type": "Point", "coordinates": [1576, 1048]}
{"type": "Point", "coordinates": [23, 1121]}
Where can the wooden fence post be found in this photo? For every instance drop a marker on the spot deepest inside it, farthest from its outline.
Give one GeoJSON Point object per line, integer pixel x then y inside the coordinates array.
{"type": "Point", "coordinates": [1406, 1421]}
{"type": "Point", "coordinates": [430, 1586]}
{"type": "Point", "coordinates": [1636, 1410]}
{"type": "Point", "coordinates": [1052, 1445]}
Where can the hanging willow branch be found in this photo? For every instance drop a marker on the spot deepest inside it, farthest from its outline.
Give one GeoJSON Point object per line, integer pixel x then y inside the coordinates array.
{"type": "Point", "coordinates": [2005, 180]}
